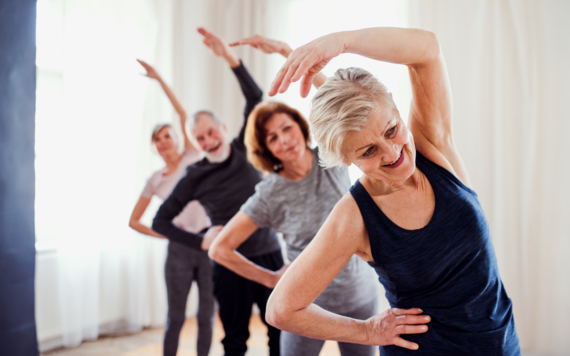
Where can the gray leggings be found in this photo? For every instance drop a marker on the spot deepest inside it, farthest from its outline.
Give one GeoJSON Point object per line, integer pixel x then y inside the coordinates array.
{"type": "Point", "coordinates": [296, 345]}
{"type": "Point", "coordinates": [183, 266]}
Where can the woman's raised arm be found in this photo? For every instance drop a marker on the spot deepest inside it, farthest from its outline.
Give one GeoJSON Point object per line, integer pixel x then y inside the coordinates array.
{"type": "Point", "coordinates": [152, 73]}
{"type": "Point", "coordinates": [267, 45]}
{"type": "Point", "coordinates": [431, 110]}
{"type": "Point", "coordinates": [290, 306]}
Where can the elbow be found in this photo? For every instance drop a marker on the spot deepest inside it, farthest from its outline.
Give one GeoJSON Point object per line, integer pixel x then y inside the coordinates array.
{"type": "Point", "coordinates": [275, 313]}
{"type": "Point", "coordinates": [214, 253]}
{"type": "Point", "coordinates": [433, 49]}
{"type": "Point", "coordinates": [218, 253]}
{"type": "Point", "coordinates": [133, 223]}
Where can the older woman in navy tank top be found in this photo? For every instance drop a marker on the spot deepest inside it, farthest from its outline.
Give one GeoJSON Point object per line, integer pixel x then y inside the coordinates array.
{"type": "Point", "coordinates": [412, 215]}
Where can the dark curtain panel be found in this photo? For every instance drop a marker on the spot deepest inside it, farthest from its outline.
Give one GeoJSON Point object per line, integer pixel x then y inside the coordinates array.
{"type": "Point", "coordinates": [17, 177]}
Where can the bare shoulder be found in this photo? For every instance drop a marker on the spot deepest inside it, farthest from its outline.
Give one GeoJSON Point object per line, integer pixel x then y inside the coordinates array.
{"type": "Point", "coordinates": [345, 223]}
{"type": "Point", "coordinates": [446, 156]}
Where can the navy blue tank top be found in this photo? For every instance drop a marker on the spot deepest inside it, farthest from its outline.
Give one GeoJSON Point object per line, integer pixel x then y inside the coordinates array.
{"type": "Point", "coordinates": [447, 268]}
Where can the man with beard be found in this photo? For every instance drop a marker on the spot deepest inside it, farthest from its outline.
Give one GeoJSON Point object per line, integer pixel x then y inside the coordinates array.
{"type": "Point", "coordinates": [222, 182]}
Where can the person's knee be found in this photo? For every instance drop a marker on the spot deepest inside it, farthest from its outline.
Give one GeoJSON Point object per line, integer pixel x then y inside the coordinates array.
{"type": "Point", "coordinates": [205, 321]}
{"type": "Point", "coordinates": [177, 319]}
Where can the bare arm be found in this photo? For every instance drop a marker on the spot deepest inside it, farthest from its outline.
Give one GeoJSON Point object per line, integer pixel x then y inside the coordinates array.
{"type": "Point", "coordinates": [152, 73]}
{"type": "Point", "coordinates": [135, 221]}
{"type": "Point", "coordinates": [267, 45]}
{"type": "Point", "coordinates": [431, 110]}
{"type": "Point", "coordinates": [224, 251]}
{"type": "Point", "coordinates": [290, 306]}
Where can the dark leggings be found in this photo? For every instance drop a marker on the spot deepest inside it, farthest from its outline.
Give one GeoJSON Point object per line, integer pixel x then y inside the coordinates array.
{"type": "Point", "coordinates": [236, 296]}
{"type": "Point", "coordinates": [183, 266]}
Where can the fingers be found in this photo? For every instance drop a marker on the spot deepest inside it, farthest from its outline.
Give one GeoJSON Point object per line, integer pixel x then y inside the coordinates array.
{"type": "Point", "coordinates": [411, 329]}
{"type": "Point", "coordinates": [245, 41]}
{"type": "Point", "coordinates": [203, 31]}
{"type": "Point", "coordinates": [412, 319]}
{"type": "Point", "coordinates": [242, 43]}
{"type": "Point", "coordinates": [405, 344]}
{"type": "Point", "coordinates": [143, 63]}
{"type": "Point", "coordinates": [277, 81]}
{"type": "Point", "coordinates": [306, 84]}
{"type": "Point", "coordinates": [306, 64]}
{"type": "Point", "coordinates": [398, 311]}
{"type": "Point", "coordinates": [283, 78]}
{"type": "Point", "coordinates": [208, 35]}
{"type": "Point", "coordinates": [291, 70]}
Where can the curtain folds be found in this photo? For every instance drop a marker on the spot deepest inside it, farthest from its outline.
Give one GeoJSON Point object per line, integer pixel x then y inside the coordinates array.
{"type": "Point", "coordinates": [110, 277]}
{"type": "Point", "coordinates": [507, 62]}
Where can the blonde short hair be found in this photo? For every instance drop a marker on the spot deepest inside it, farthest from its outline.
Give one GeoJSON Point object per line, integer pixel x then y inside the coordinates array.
{"type": "Point", "coordinates": [344, 103]}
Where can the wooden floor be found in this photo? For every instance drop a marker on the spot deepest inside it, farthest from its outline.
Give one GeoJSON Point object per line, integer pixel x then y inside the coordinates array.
{"type": "Point", "coordinates": [149, 343]}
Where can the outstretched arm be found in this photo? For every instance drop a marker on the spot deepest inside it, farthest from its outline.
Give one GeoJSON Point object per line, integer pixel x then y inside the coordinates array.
{"type": "Point", "coordinates": [224, 251]}
{"type": "Point", "coordinates": [290, 307]}
{"type": "Point", "coordinates": [431, 110]}
{"type": "Point", "coordinates": [267, 45]}
{"type": "Point", "coordinates": [249, 87]}
{"type": "Point", "coordinates": [152, 73]}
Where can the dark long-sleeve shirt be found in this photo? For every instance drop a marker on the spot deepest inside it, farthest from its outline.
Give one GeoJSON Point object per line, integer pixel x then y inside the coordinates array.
{"type": "Point", "coordinates": [221, 187]}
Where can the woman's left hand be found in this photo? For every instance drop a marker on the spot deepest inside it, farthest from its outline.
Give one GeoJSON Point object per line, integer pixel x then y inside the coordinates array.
{"type": "Point", "coordinates": [306, 61]}
{"type": "Point", "coordinates": [265, 45]}
{"type": "Point", "coordinates": [150, 71]}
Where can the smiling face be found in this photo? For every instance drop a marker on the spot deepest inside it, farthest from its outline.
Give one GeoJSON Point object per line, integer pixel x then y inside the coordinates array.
{"type": "Point", "coordinates": [284, 138]}
{"type": "Point", "coordinates": [211, 137]}
{"type": "Point", "coordinates": [165, 142]}
{"type": "Point", "coordinates": [384, 149]}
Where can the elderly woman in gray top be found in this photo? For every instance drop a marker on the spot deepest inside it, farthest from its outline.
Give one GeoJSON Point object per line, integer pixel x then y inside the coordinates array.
{"type": "Point", "coordinates": [295, 199]}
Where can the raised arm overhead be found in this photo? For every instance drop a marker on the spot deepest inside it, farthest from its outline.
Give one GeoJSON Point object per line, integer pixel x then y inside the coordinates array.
{"type": "Point", "coordinates": [152, 73]}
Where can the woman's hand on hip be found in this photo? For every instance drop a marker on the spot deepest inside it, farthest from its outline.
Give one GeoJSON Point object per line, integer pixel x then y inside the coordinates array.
{"type": "Point", "coordinates": [277, 275]}
{"type": "Point", "coordinates": [308, 60]}
{"type": "Point", "coordinates": [210, 236]}
{"type": "Point", "coordinates": [385, 328]}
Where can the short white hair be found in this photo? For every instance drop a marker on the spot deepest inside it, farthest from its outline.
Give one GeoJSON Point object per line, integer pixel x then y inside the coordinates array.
{"type": "Point", "coordinates": [344, 103]}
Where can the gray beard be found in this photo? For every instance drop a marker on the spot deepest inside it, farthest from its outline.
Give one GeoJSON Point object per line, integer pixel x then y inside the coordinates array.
{"type": "Point", "coordinates": [219, 157]}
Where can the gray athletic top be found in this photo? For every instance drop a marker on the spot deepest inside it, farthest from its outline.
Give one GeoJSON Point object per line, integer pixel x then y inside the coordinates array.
{"type": "Point", "coordinates": [298, 209]}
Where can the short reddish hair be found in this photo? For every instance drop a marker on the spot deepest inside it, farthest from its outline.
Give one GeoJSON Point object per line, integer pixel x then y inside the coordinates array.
{"type": "Point", "coordinates": [257, 152]}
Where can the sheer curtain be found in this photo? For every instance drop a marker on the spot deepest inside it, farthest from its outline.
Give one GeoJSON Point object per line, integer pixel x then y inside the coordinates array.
{"type": "Point", "coordinates": [110, 278]}
{"type": "Point", "coordinates": [508, 66]}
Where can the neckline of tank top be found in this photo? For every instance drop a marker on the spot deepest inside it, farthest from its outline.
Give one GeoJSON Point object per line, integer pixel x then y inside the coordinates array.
{"type": "Point", "coordinates": [434, 215]}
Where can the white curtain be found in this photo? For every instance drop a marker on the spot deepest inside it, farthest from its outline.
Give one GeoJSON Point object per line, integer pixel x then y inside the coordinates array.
{"type": "Point", "coordinates": [110, 277]}
{"type": "Point", "coordinates": [508, 66]}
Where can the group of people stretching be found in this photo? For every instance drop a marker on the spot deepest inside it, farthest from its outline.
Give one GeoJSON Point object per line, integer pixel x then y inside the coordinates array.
{"type": "Point", "coordinates": [412, 216]}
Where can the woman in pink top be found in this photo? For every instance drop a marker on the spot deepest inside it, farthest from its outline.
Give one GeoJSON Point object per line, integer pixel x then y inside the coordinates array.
{"type": "Point", "coordinates": [183, 264]}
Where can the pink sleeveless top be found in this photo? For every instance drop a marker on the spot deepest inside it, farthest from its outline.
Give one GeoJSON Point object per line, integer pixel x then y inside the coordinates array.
{"type": "Point", "coordinates": [192, 218]}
